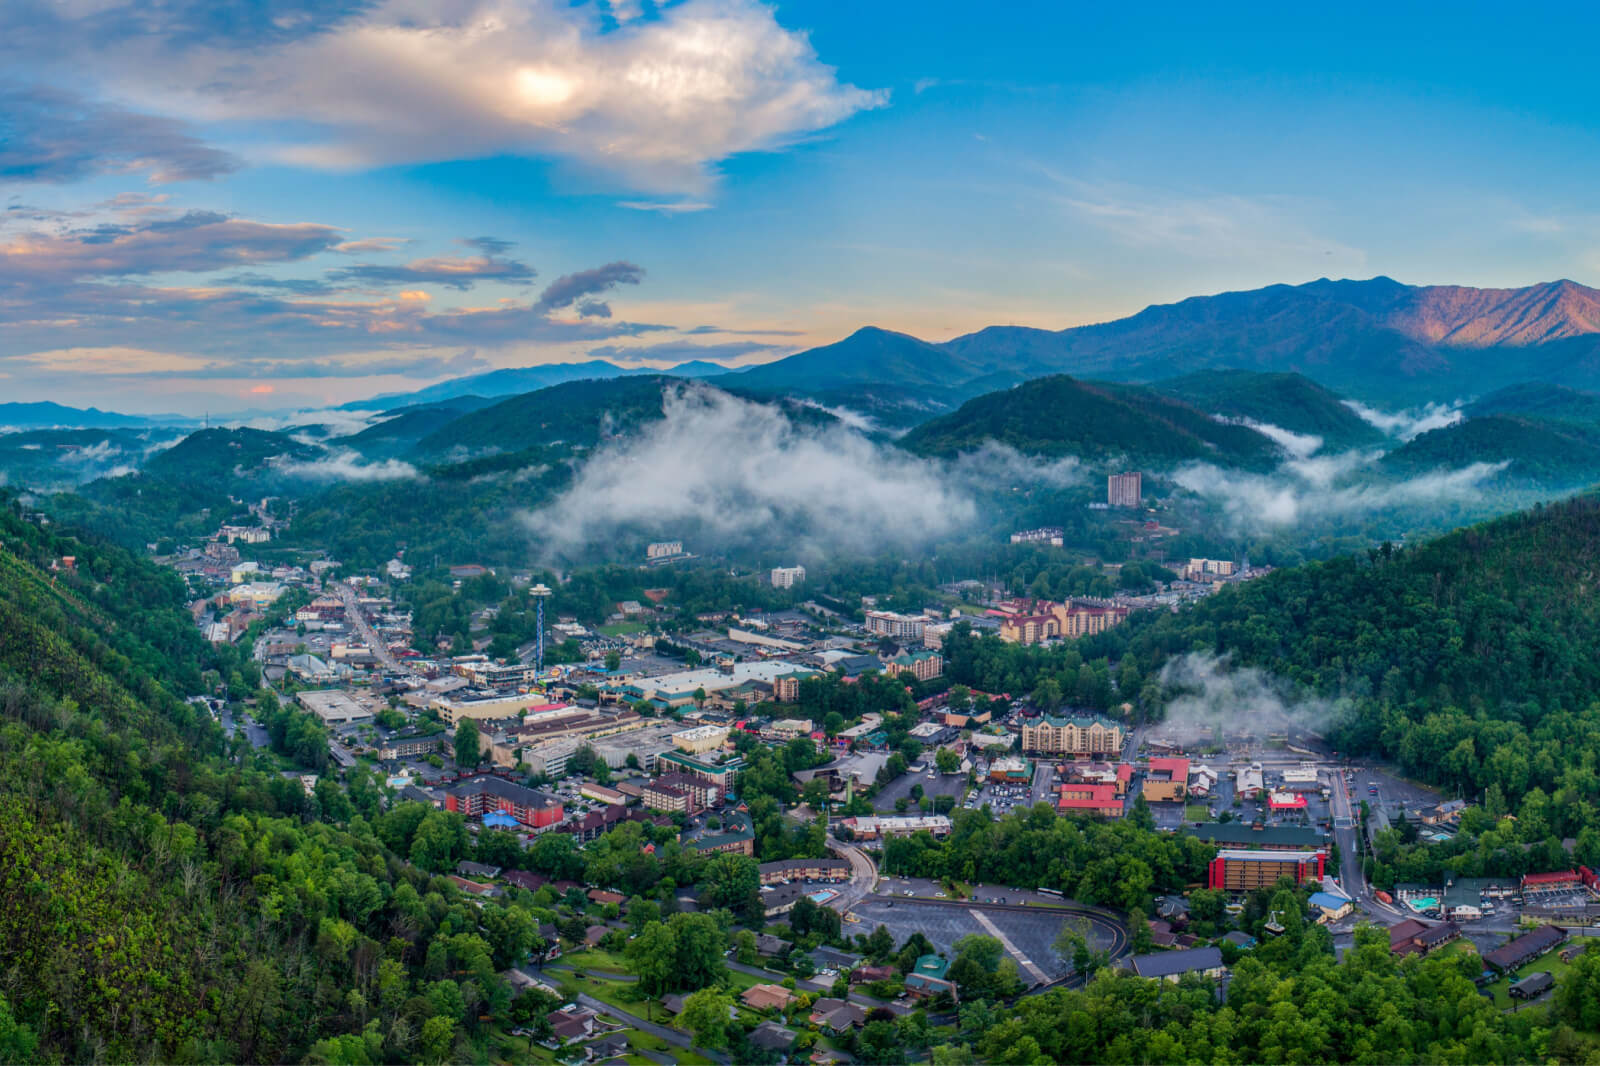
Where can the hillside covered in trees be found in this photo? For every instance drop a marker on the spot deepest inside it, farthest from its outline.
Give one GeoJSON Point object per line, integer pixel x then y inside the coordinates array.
{"type": "Point", "coordinates": [1472, 659]}
{"type": "Point", "coordinates": [1062, 416]}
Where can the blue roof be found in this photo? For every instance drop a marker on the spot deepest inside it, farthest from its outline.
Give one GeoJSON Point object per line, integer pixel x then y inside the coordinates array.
{"type": "Point", "coordinates": [1328, 900]}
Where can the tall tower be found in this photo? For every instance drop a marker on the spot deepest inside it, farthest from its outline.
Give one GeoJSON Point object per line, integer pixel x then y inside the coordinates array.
{"type": "Point", "coordinates": [540, 593]}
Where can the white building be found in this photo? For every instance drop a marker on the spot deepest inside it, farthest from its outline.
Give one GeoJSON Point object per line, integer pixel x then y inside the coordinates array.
{"type": "Point", "coordinates": [890, 624]}
{"type": "Point", "coordinates": [787, 577]}
{"type": "Point", "coordinates": [663, 549]}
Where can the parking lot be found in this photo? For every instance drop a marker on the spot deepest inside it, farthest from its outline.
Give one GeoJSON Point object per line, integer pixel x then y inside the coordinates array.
{"type": "Point", "coordinates": [900, 788]}
{"type": "Point", "coordinates": [1031, 933]}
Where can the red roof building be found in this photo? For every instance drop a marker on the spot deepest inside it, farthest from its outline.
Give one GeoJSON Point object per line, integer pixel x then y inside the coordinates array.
{"type": "Point", "coordinates": [1090, 799]}
{"type": "Point", "coordinates": [1555, 879]}
{"type": "Point", "coordinates": [1285, 801]}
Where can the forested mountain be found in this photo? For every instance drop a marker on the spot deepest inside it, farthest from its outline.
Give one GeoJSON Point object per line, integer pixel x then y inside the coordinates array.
{"type": "Point", "coordinates": [1536, 451]}
{"type": "Point", "coordinates": [1289, 401]}
{"type": "Point", "coordinates": [871, 356]}
{"type": "Point", "coordinates": [46, 414]}
{"type": "Point", "coordinates": [575, 413]}
{"type": "Point", "coordinates": [1473, 659]}
{"type": "Point", "coordinates": [1377, 340]}
{"type": "Point", "coordinates": [217, 459]}
{"type": "Point", "coordinates": [167, 895]}
{"type": "Point", "coordinates": [1060, 416]}
{"type": "Point", "coordinates": [403, 428]}
{"type": "Point", "coordinates": [1539, 400]}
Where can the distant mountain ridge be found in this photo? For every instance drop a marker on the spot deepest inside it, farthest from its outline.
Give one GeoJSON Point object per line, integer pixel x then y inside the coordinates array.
{"type": "Point", "coordinates": [1377, 339]}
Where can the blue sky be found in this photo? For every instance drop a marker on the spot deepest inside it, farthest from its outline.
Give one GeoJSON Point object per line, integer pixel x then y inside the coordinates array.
{"type": "Point", "coordinates": [218, 207]}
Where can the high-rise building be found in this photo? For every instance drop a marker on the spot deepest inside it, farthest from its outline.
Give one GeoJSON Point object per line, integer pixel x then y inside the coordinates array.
{"type": "Point", "coordinates": [890, 624]}
{"type": "Point", "coordinates": [1125, 490]}
{"type": "Point", "coordinates": [1053, 735]}
{"type": "Point", "coordinates": [787, 577]}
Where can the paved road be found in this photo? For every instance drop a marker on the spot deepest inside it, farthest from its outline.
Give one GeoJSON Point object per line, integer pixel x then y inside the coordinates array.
{"type": "Point", "coordinates": [663, 1032]}
{"type": "Point", "coordinates": [863, 875]}
{"type": "Point", "coordinates": [1347, 831]}
{"type": "Point", "coordinates": [358, 622]}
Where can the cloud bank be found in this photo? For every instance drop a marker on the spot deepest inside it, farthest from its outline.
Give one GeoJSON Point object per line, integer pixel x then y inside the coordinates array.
{"type": "Point", "coordinates": [1212, 695]}
{"type": "Point", "coordinates": [728, 470]}
{"type": "Point", "coordinates": [1411, 423]}
{"type": "Point", "coordinates": [346, 465]}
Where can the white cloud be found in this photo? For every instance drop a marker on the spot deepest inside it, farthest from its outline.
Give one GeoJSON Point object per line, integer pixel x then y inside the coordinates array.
{"type": "Point", "coordinates": [734, 469]}
{"type": "Point", "coordinates": [656, 102]}
{"type": "Point", "coordinates": [1410, 423]}
{"type": "Point", "coordinates": [1211, 695]}
{"type": "Point", "coordinates": [1267, 501]}
{"type": "Point", "coordinates": [346, 465]}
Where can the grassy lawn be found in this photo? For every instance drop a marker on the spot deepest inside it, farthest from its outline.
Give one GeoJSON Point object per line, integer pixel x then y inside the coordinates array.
{"type": "Point", "coordinates": [1197, 812]}
{"type": "Point", "coordinates": [597, 960]}
{"type": "Point", "coordinates": [622, 629]}
{"type": "Point", "coordinates": [622, 995]}
{"type": "Point", "coordinates": [1552, 962]}
{"type": "Point", "coordinates": [647, 1042]}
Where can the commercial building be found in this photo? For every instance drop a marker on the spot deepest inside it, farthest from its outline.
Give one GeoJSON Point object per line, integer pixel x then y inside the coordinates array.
{"type": "Point", "coordinates": [786, 729]}
{"type": "Point", "coordinates": [501, 677]}
{"type": "Point", "coordinates": [409, 745]}
{"type": "Point", "coordinates": [805, 869]}
{"type": "Point", "coordinates": [736, 836]}
{"type": "Point", "coordinates": [1238, 871]}
{"type": "Point", "coordinates": [787, 577]}
{"type": "Point", "coordinates": [1010, 770]}
{"type": "Point", "coordinates": [702, 793]}
{"type": "Point", "coordinates": [481, 708]}
{"type": "Point", "coordinates": [1532, 986]}
{"type": "Point", "coordinates": [898, 626]}
{"type": "Point", "coordinates": [1414, 937]}
{"type": "Point", "coordinates": [922, 665]}
{"type": "Point", "coordinates": [659, 796]}
{"type": "Point", "coordinates": [335, 706]}
{"type": "Point", "coordinates": [476, 796]}
{"type": "Point", "coordinates": [877, 828]}
{"type": "Point", "coordinates": [1266, 837]}
{"type": "Point", "coordinates": [674, 690]}
{"type": "Point", "coordinates": [601, 794]}
{"type": "Point", "coordinates": [700, 739]}
{"type": "Point", "coordinates": [1125, 490]}
{"type": "Point", "coordinates": [663, 549]}
{"type": "Point", "coordinates": [1090, 799]}
{"type": "Point", "coordinates": [1167, 780]}
{"type": "Point", "coordinates": [1556, 881]}
{"type": "Point", "coordinates": [1035, 621]}
{"type": "Point", "coordinates": [722, 774]}
{"type": "Point", "coordinates": [927, 978]}
{"type": "Point", "coordinates": [1207, 569]}
{"type": "Point", "coordinates": [1172, 965]}
{"type": "Point", "coordinates": [1053, 735]}
{"type": "Point", "coordinates": [1526, 948]}
{"type": "Point", "coordinates": [1051, 535]}
{"type": "Point", "coordinates": [1330, 907]}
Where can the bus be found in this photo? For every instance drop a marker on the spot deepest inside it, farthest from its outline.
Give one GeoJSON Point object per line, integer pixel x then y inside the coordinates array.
{"type": "Point", "coordinates": [1056, 892]}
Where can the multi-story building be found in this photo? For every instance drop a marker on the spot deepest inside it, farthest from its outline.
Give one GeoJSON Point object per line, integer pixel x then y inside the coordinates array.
{"type": "Point", "coordinates": [808, 869]}
{"type": "Point", "coordinates": [1051, 535]}
{"type": "Point", "coordinates": [1239, 871]}
{"type": "Point", "coordinates": [1035, 621]}
{"type": "Point", "coordinates": [702, 793]}
{"type": "Point", "coordinates": [476, 796]}
{"type": "Point", "coordinates": [786, 687]}
{"type": "Point", "coordinates": [1055, 735]}
{"type": "Point", "coordinates": [867, 828]}
{"type": "Point", "coordinates": [663, 797]}
{"type": "Point", "coordinates": [787, 577]}
{"type": "Point", "coordinates": [922, 665]}
{"type": "Point", "coordinates": [1087, 798]}
{"type": "Point", "coordinates": [1125, 490]}
{"type": "Point", "coordinates": [893, 624]}
{"type": "Point", "coordinates": [1167, 780]}
{"type": "Point", "coordinates": [737, 835]}
{"type": "Point", "coordinates": [664, 549]}
{"type": "Point", "coordinates": [409, 746]}
{"type": "Point", "coordinates": [1207, 569]}
{"type": "Point", "coordinates": [722, 774]}
{"type": "Point", "coordinates": [501, 677]}
{"type": "Point", "coordinates": [701, 738]}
